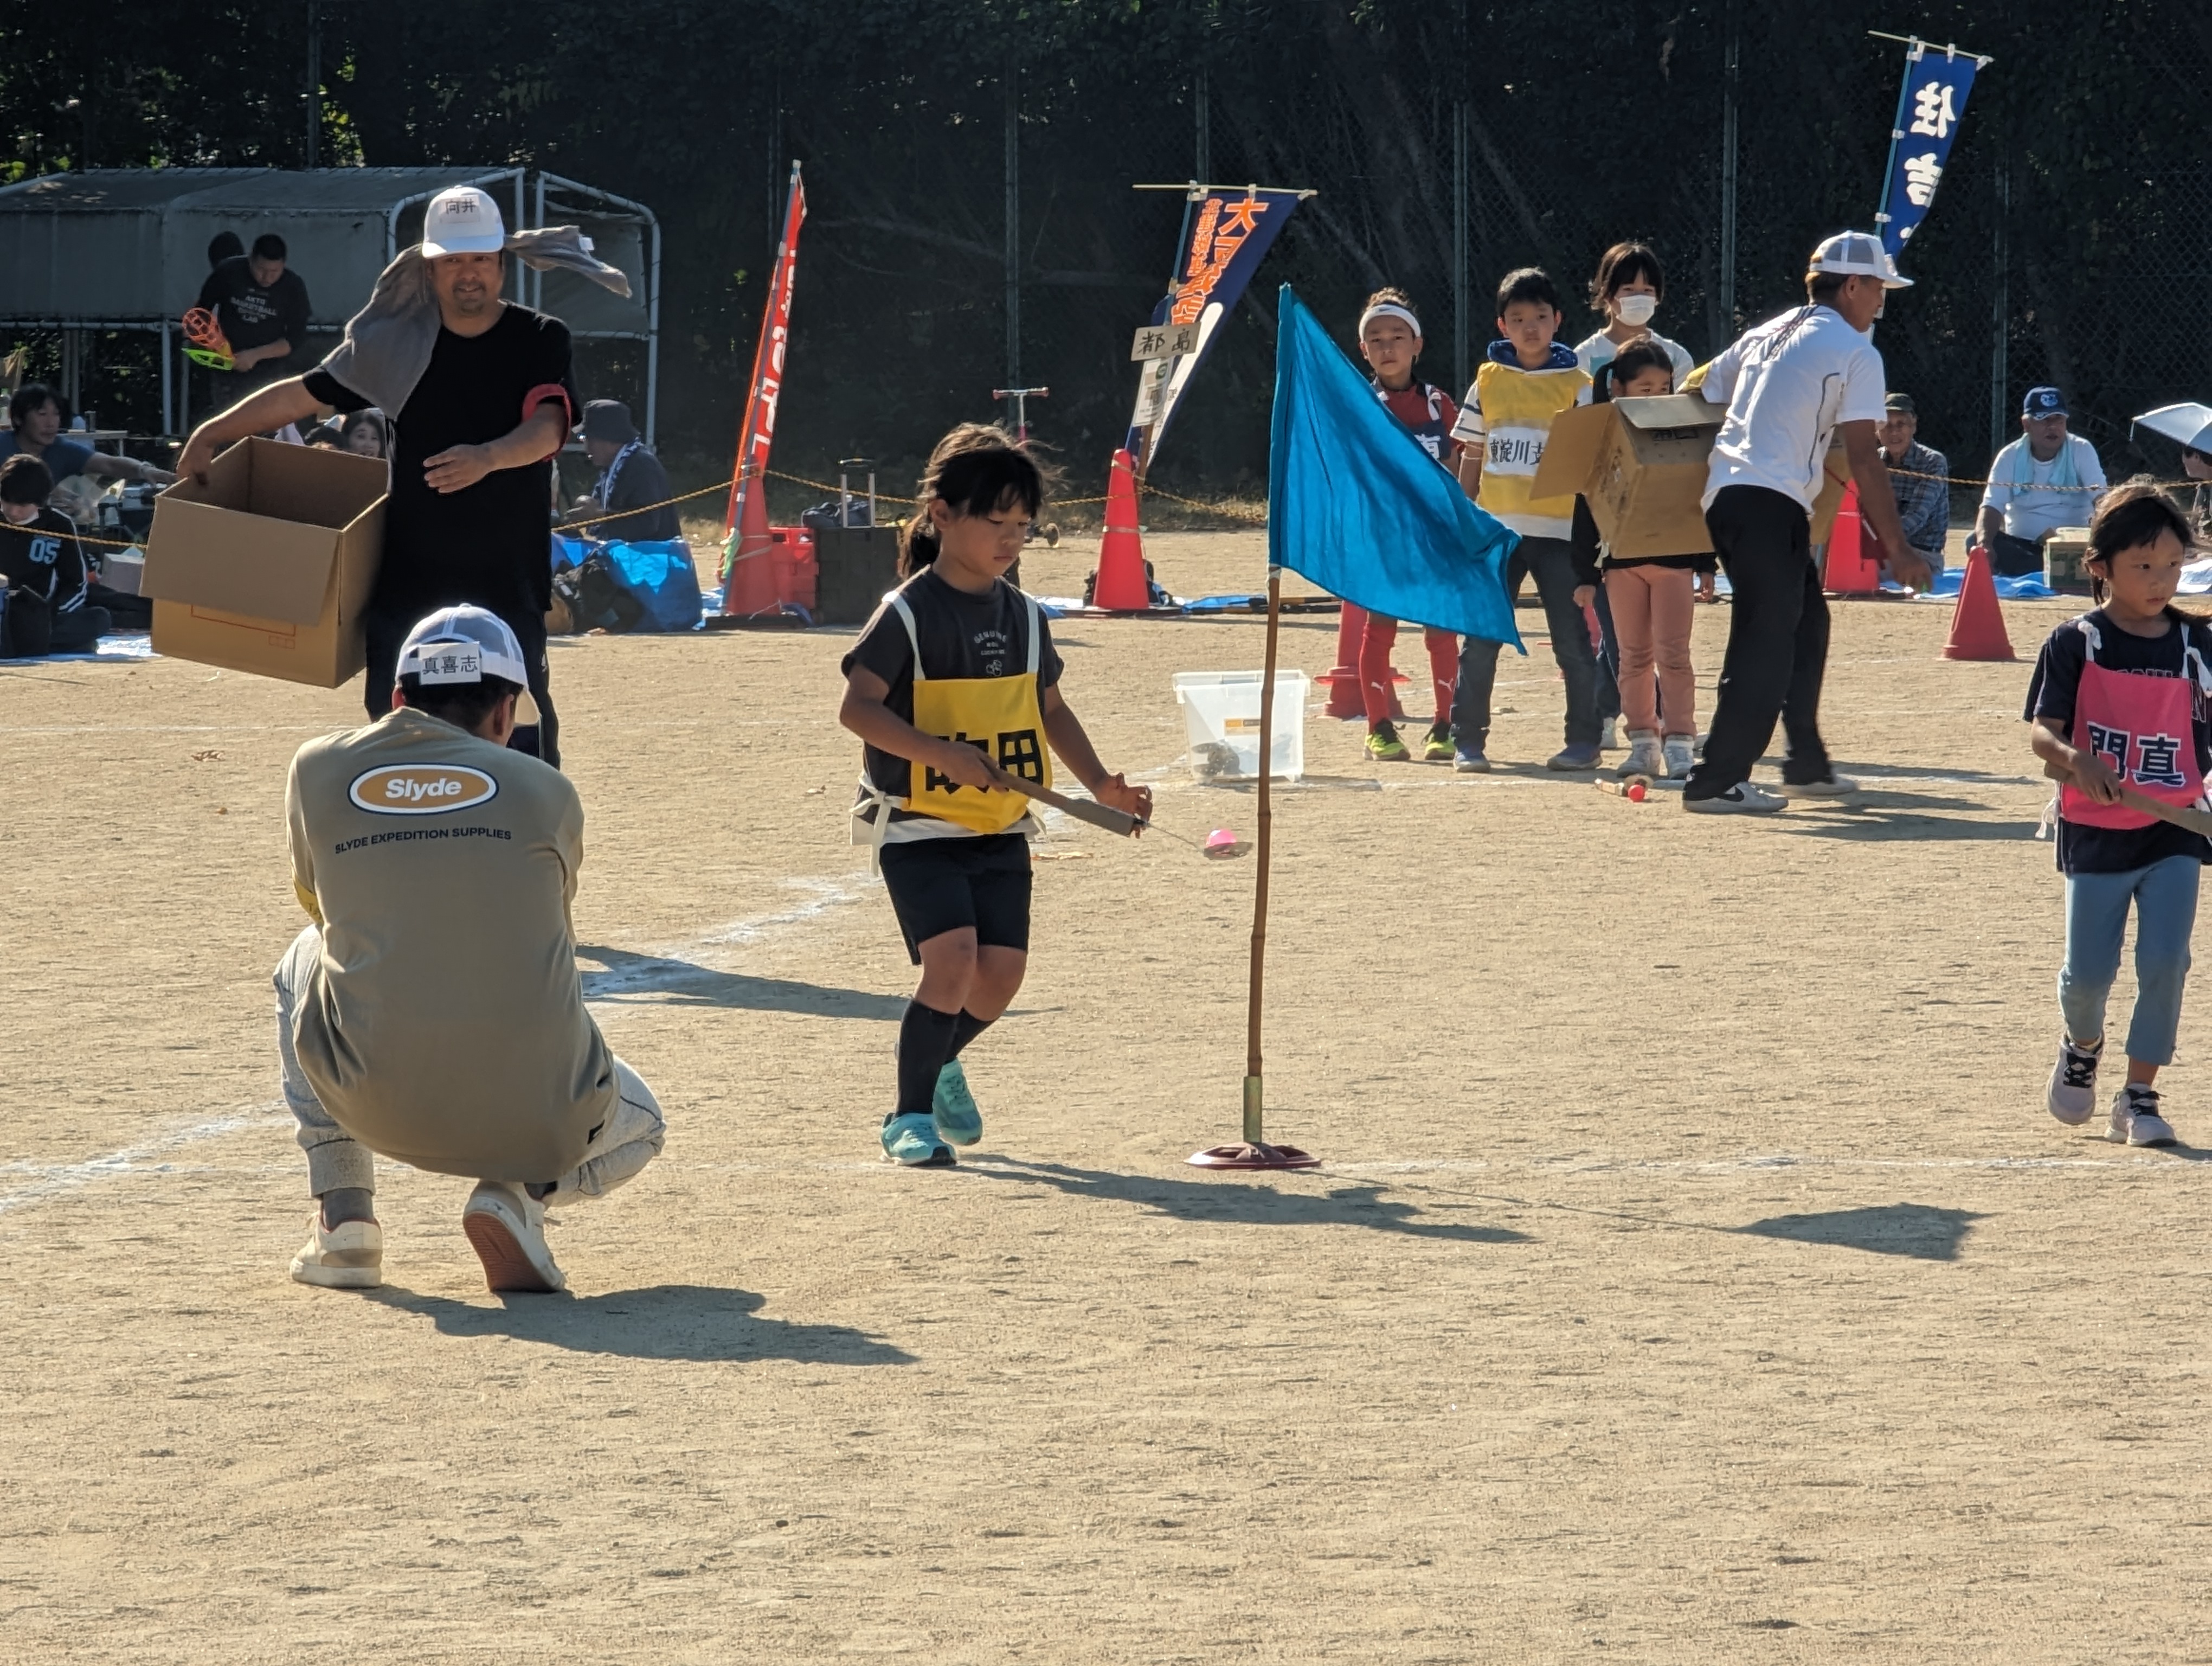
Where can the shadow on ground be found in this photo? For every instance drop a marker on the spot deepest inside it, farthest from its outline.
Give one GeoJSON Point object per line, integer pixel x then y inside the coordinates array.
{"type": "Point", "coordinates": [1243, 1201]}
{"type": "Point", "coordinates": [1918, 1230]}
{"type": "Point", "coordinates": [666, 1321]}
{"type": "Point", "coordinates": [641, 978]}
{"type": "Point", "coordinates": [1877, 826]}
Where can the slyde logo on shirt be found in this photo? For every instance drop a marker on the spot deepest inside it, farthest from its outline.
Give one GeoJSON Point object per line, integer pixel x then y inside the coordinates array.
{"type": "Point", "coordinates": [421, 789]}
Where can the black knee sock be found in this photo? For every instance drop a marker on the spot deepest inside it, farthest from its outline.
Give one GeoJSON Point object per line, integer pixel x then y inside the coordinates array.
{"type": "Point", "coordinates": [965, 1029]}
{"type": "Point", "coordinates": [925, 1043]}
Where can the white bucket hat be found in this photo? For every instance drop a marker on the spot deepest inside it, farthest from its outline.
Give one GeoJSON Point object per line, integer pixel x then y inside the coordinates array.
{"type": "Point", "coordinates": [462, 220]}
{"type": "Point", "coordinates": [463, 644]}
{"type": "Point", "coordinates": [1858, 254]}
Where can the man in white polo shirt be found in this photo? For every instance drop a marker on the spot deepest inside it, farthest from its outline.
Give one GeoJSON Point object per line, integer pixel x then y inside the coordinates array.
{"type": "Point", "coordinates": [1789, 385]}
{"type": "Point", "coordinates": [2046, 479]}
{"type": "Point", "coordinates": [432, 1012]}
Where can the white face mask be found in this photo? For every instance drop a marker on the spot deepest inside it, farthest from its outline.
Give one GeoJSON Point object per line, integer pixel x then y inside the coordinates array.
{"type": "Point", "coordinates": [1635, 309]}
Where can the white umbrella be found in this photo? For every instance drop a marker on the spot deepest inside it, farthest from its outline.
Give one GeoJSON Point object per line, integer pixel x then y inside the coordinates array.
{"type": "Point", "coordinates": [2190, 424]}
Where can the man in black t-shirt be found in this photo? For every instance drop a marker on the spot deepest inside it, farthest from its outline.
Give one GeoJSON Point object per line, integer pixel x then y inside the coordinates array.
{"type": "Point", "coordinates": [472, 446]}
{"type": "Point", "coordinates": [263, 309]}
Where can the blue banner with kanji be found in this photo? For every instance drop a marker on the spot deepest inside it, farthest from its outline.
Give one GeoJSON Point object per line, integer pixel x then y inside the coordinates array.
{"type": "Point", "coordinates": [1934, 101]}
{"type": "Point", "coordinates": [1226, 232]}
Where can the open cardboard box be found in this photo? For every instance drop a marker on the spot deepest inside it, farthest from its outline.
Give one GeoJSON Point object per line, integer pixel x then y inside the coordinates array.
{"type": "Point", "coordinates": [1642, 464]}
{"type": "Point", "coordinates": [267, 568]}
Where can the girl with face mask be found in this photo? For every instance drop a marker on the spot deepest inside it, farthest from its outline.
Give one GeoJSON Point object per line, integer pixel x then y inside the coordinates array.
{"type": "Point", "coordinates": [1629, 286]}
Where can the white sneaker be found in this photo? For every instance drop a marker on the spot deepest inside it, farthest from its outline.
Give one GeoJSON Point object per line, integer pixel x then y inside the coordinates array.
{"type": "Point", "coordinates": [1609, 740]}
{"type": "Point", "coordinates": [347, 1256]}
{"type": "Point", "coordinates": [505, 1226]}
{"type": "Point", "coordinates": [1835, 786]}
{"type": "Point", "coordinates": [1644, 756]}
{"type": "Point", "coordinates": [2136, 1121]}
{"type": "Point", "coordinates": [2072, 1095]}
{"type": "Point", "coordinates": [1741, 798]}
{"type": "Point", "coordinates": [1681, 756]}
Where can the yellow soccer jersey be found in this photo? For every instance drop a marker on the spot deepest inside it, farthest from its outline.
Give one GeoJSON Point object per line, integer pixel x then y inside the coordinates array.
{"type": "Point", "coordinates": [1508, 415]}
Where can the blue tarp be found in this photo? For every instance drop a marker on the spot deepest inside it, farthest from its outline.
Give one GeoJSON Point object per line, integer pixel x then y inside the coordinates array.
{"type": "Point", "coordinates": [661, 575]}
{"type": "Point", "coordinates": [1356, 505]}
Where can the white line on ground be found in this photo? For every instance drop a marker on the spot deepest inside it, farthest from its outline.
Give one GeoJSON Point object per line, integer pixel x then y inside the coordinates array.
{"type": "Point", "coordinates": [52, 1180]}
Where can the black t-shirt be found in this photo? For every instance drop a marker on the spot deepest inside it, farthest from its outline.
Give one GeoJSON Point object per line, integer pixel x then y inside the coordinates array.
{"type": "Point", "coordinates": [962, 636]}
{"type": "Point", "coordinates": [488, 542]}
{"type": "Point", "coordinates": [44, 558]}
{"type": "Point", "coordinates": [2052, 693]}
{"type": "Point", "coordinates": [251, 316]}
{"type": "Point", "coordinates": [638, 480]}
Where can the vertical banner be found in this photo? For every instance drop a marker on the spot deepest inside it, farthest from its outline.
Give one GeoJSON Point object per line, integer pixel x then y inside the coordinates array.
{"type": "Point", "coordinates": [1225, 233]}
{"type": "Point", "coordinates": [1928, 110]}
{"type": "Point", "coordinates": [748, 505]}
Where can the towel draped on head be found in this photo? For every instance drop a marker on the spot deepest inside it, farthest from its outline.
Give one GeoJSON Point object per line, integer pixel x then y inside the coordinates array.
{"type": "Point", "coordinates": [388, 343]}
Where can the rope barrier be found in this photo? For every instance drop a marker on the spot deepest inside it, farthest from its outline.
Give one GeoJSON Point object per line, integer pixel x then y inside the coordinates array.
{"type": "Point", "coordinates": [1960, 480]}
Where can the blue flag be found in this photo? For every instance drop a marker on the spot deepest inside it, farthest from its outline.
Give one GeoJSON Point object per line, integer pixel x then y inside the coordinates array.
{"type": "Point", "coordinates": [1355, 504]}
{"type": "Point", "coordinates": [1930, 107]}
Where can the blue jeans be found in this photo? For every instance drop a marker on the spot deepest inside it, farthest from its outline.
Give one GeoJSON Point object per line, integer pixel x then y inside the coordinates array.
{"type": "Point", "coordinates": [2164, 898]}
{"type": "Point", "coordinates": [1548, 561]}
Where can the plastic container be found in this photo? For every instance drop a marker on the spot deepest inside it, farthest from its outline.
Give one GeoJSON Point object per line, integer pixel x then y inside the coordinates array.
{"type": "Point", "coordinates": [1221, 711]}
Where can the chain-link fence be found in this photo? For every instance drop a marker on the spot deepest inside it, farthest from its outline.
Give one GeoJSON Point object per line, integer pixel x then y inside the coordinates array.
{"type": "Point", "coordinates": [974, 224]}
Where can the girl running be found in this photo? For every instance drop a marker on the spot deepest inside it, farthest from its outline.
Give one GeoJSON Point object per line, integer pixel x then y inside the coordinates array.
{"type": "Point", "coordinates": [1652, 599]}
{"type": "Point", "coordinates": [955, 681]}
{"type": "Point", "coordinates": [1390, 341]}
{"type": "Point", "coordinates": [2119, 702]}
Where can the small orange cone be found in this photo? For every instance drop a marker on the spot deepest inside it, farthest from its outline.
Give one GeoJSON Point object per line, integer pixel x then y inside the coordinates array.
{"type": "Point", "coordinates": [1121, 584]}
{"type": "Point", "coordinates": [1852, 568]}
{"type": "Point", "coordinates": [1978, 626]}
{"type": "Point", "coordinates": [1345, 696]}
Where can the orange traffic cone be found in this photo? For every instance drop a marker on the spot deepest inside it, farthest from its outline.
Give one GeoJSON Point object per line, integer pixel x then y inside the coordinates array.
{"type": "Point", "coordinates": [1851, 568]}
{"type": "Point", "coordinates": [1121, 585]}
{"type": "Point", "coordinates": [1977, 627]}
{"type": "Point", "coordinates": [1342, 682]}
{"type": "Point", "coordinates": [748, 573]}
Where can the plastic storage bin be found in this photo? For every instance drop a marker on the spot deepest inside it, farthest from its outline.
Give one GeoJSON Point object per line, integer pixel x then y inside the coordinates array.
{"type": "Point", "coordinates": [1221, 711]}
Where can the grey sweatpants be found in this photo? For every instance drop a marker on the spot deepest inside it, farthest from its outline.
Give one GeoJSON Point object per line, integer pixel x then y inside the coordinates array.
{"type": "Point", "coordinates": [630, 1138]}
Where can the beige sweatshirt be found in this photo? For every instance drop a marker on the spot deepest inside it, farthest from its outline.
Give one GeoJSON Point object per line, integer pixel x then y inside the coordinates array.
{"type": "Point", "coordinates": [445, 1024]}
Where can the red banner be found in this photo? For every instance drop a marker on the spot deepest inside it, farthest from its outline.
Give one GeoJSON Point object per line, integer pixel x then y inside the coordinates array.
{"type": "Point", "coordinates": [748, 505]}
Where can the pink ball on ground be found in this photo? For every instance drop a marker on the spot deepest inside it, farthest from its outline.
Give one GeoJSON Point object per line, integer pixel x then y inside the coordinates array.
{"type": "Point", "coordinates": [1220, 839]}
{"type": "Point", "coordinates": [1635, 792]}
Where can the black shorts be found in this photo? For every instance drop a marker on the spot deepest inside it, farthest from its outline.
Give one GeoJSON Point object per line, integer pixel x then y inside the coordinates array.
{"type": "Point", "coordinates": [939, 885]}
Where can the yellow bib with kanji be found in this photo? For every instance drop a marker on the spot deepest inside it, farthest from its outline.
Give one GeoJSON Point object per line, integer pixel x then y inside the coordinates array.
{"type": "Point", "coordinates": [1002, 717]}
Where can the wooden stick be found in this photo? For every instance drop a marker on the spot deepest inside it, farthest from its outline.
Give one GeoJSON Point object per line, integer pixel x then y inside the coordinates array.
{"type": "Point", "coordinates": [1253, 1113]}
{"type": "Point", "coordinates": [2197, 821]}
{"type": "Point", "coordinates": [1084, 809]}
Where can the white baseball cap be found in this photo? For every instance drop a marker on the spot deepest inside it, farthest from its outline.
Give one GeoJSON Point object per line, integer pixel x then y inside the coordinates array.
{"type": "Point", "coordinates": [1858, 254]}
{"type": "Point", "coordinates": [462, 220]}
{"type": "Point", "coordinates": [463, 644]}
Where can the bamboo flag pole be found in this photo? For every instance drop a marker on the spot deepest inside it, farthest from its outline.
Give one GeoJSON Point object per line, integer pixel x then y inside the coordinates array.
{"type": "Point", "coordinates": [1253, 1134]}
{"type": "Point", "coordinates": [1255, 1152]}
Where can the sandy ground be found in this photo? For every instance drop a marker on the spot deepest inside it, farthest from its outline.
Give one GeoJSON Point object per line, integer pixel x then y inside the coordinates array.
{"type": "Point", "coordinates": [1694, 1275]}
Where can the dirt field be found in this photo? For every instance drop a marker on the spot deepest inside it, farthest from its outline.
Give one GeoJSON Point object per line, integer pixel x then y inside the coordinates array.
{"type": "Point", "coordinates": [1694, 1274]}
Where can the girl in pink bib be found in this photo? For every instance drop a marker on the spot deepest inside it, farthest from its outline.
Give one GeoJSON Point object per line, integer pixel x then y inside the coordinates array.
{"type": "Point", "coordinates": [2120, 702]}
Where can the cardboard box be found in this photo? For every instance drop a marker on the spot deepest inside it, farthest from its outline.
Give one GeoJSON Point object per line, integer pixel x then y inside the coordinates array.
{"type": "Point", "coordinates": [267, 568]}
{"type": "Point", "coordinates": [2063, 551]}
{"type": "Point", "coordinates": [1642, 463]}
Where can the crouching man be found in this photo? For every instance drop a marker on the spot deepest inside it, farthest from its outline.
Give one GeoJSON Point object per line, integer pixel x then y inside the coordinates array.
{"type": "Point", "coordinates": [433, 1013]}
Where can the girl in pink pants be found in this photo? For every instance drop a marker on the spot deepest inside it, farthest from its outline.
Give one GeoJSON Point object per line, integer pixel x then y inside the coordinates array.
{"type": "Point", "coordinates": [1652, 597]}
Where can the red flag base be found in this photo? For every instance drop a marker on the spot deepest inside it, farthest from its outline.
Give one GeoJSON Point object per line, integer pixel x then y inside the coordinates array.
{"type": "Point", "coordinates": [1247, 1155]}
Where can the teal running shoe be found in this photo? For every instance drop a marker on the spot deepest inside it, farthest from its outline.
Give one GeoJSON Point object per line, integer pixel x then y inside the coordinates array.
{"type": "Point", "coordinates": [912, 1141]}
{"type": "Point", "coordinates": [953, 1109]}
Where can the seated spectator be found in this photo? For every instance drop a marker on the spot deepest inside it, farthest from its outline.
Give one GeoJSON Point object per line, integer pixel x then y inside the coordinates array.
{"type": "Point", "coordinates": [364, 434]}
{"type": "Point", "coordinates": [2197, 505]}
{"type": "Point", "coordinates": [2046, 479]}
{"type": "Point", "coordinates": [43, 567]}
{"type": "Point", "coordinates": [1916, 476]}
{"type": "Point", "coordinates": [630, 477]}
{"type": "Point", "coordinates": [323, 436]}
{"type": "Point", "coordinates": [37, 418]}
